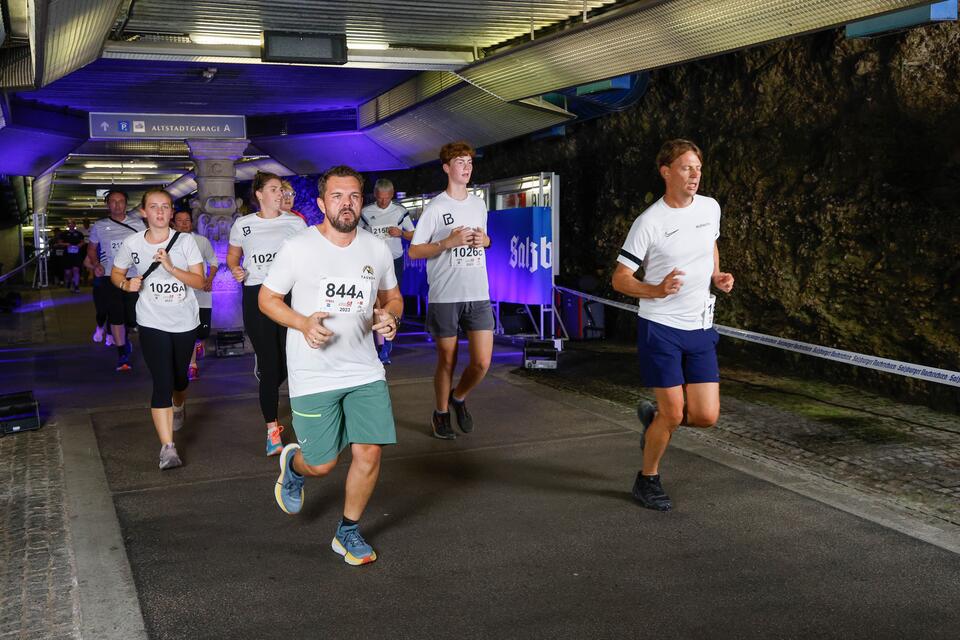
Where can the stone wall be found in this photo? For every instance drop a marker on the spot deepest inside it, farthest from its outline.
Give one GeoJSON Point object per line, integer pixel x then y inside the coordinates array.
{"type": "Point", "coordinates": [836, 164]}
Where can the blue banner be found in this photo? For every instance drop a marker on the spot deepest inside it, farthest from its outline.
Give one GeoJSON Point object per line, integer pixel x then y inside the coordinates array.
{"type": "Point", "coordinates": [519, 260]}
{"type": "Point", "coordinates": [520, 257]}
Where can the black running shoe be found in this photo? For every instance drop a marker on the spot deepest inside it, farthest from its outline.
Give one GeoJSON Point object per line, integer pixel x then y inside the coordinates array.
{"type": "Point", "coordinates": [648, 491]}
{"type": "Point", "coordinates": [645, 411]}
{"type": "Point", "coordinates": [441, 426]}
{"type": "Point", "coordinates": [464, 419]}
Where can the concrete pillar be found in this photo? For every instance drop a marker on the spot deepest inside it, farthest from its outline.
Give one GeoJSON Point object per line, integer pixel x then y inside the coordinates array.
{"type": "Point", "coordinates": [215, 207]}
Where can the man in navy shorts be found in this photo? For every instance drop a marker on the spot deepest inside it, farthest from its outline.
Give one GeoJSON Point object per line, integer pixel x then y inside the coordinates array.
{"type": "Point", "coordinates": [674, 242]}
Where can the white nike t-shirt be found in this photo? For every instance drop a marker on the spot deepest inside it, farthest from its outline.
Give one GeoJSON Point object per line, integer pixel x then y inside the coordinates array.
{"type": "Point", "coordinates": [663, 238]}
{"type": "Point", "coordinates": [458, 274]}
{"type": "Point", "coordinates": [377, 221]}
{"type": "Point", "coordinates": [342, 281]}
{"type": "Point", "coordinates": [205, 298]}
{"type": "Point", "coordinates": [260, 238]}
{"type": "Point", "coordinates": [165, 303]}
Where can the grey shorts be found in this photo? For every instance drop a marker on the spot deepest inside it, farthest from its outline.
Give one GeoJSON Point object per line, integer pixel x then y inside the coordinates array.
{"type": "Point", "coordinates": [443, 318]}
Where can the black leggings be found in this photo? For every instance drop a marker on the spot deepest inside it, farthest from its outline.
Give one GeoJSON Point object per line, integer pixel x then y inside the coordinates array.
{"type": "Point", "coordinates": [168, 356]}
{"type": "Point", "coordinates": [270, 343]}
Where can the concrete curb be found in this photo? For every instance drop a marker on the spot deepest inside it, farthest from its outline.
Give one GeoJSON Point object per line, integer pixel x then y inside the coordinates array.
{"type": "Point", "coordinates": [109, 608]}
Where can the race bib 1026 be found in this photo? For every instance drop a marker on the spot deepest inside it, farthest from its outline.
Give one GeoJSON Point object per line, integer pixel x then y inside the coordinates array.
{"type": "Point", "coordinates": [168, 292]}
{"type": "Point", "coordinates": [344, 295]}
{"type": "Point", "coordinates": [465, 257]}
{"type": "Point", "coordinates": [260, 262]}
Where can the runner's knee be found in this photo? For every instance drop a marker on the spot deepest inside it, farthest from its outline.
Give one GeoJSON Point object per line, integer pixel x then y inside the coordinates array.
{"type": "Point", "coordinates": [673, 416]}
{"type": "Point", "coordinates": [366, 455]}
{"type": "Point", "coordinates": [703, 419]}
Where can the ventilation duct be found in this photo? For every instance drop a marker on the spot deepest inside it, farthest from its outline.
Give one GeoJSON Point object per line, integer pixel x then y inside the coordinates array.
{"type": "Point", "coordinates": [659, 34]}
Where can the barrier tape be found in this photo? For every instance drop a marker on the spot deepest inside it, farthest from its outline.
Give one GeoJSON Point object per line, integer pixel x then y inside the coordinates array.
{"type": "Point", "coordinates": [930, 374]}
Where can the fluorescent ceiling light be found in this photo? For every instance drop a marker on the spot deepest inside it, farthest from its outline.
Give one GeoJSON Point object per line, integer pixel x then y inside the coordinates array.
{"type": "Point", "coordinates": [120, 165]}
{"type": "Point", "coordinates": [243, 41]}
{"type": "Point", "coordinates": [97, 177]}
{"type": "Point", "coordinates": [367, 46]}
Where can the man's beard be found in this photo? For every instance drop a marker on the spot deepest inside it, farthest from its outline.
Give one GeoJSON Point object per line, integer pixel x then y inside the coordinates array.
{"type": "Point", "coordinates": [345, 227]}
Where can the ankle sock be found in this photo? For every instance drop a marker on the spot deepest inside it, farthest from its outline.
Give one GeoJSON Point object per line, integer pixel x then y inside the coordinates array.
{"type": "Point", "coordinates": [347, 522]}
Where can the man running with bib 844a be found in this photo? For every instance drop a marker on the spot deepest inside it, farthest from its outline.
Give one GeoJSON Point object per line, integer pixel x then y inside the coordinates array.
{"type": "Point", "coordinates": [338, 391]}
{"type": "Point", "coordinates": [674, 242]}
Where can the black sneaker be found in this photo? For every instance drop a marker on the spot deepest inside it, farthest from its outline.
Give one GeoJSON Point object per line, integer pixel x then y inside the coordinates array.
{"type": "Point", "coordinates": [645, 411]}
{"type": "Point", "coordinates": [441, 426]}
{"type": "Point", "coordinates": [648, 491]}
{"type": "Point", "coordinates": [464, 419]}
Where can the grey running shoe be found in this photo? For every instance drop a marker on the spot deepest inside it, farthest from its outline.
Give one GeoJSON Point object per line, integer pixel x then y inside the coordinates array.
{"type": "Point", "coordinates": [648, 491]}
{"type": "Point", "coordinates": [645, 411]}
{"type": "Point", "coordinates": [169, 458]}
{"type": "Point", "coordinates": [464, 419]}
{"type": "Point", "coordinates": [179, 415]}
{"type": "Point", "coordinates": [441, 426]}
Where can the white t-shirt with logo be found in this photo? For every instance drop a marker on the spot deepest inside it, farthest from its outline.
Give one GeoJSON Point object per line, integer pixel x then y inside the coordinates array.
{"type": "Point", "coordinates": [108, 235]}
{"type": "Point", "coordinates": [458, 274]}
{"type": "Point", "coordinates": [342, 281]}
{"type": "Point", "coordinates": [377, 221]}
{"type": "Point", "coordinates": [205, 298]}
{"type": "Point", "coordinates": [260, 238]}
{"type": "Point", "coordinates": [165, 303]}
{"type": "Point", "coordinates": [663, 238]}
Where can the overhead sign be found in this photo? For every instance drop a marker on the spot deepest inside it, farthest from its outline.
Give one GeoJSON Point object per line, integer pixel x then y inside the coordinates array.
{"type": "Point", "coordinates": [161, 126]}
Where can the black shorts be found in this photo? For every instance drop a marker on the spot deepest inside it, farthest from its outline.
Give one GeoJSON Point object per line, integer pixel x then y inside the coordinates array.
{"type": "Point", "coordinates": [120, 306]}
{"type": "Point", "coordinates": [203, 331]}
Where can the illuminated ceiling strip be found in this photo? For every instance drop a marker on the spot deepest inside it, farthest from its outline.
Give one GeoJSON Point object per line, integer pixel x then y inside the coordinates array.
{"type": "Point", "coordinates": [396, 59]}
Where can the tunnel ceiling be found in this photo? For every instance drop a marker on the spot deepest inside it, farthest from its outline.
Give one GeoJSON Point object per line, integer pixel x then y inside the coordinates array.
{"type": "Point", "coordinates": [448, 24]}
{"type": "Point", "coordinates": [181, 87]}
{"type": "Point", "coordinates": [418, 72]}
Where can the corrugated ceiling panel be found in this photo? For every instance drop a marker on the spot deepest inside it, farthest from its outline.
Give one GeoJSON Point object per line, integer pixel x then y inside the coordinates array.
{"type": "Point", "coordinates": [471, 23]}
{"type": "Point", "coordinates": [660, 35]}
{"type": "Point", "coordinates": [74, 34]}
{"type": "Point", "coordinates": [405, 95]}
{"type": "Point", "coordinates": [16, 68]}
{"type": "Point", "coordinates": [467, 113]}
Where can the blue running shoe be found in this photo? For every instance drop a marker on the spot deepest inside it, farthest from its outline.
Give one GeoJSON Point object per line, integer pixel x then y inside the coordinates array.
{"type": "Point", "coordinates": [350, 544]}
{"type": "Point", "coordinates": [289, 487]}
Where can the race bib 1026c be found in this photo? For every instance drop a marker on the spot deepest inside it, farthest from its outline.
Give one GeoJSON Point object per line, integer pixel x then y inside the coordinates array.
{"type": "Point", "coordinates": [344, 295]}
{"type": "Point", "coordinates": [465, 257]}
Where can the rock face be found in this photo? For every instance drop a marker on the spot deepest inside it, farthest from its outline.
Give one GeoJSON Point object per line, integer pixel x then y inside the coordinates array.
{"type": "Point", "coordinates": [837, 164]}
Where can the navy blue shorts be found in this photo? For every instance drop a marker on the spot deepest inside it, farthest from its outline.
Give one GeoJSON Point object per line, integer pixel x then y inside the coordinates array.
{"type": "Point", "coordinates": [672, 357]}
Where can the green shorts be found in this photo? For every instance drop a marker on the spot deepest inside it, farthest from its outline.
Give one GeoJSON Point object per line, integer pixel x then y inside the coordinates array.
{"type": "Point", "coordinates": [326, 422]}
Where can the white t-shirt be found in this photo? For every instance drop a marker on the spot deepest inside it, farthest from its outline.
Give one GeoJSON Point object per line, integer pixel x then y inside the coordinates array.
{"type": "Point", "coordinates": [458, 274]}
{"type": "Point", "coordinates": [165, 303]}
{"type": "Point", "coordinates": [662, 238]}
{"type": "Point", "coordinates": [260, 238]}
{"type": "Point", "coordinates": [377, 221]}
{"type": "Point", "coordinates": [344, 282]}
{"type": "Point", "coordinates": [109, 234]}
{"type": "Point", "coordinates": [205, 298]}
